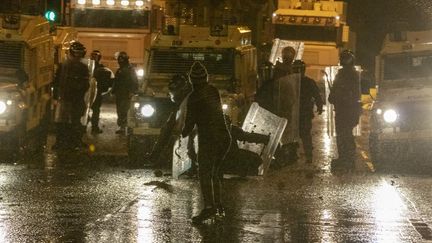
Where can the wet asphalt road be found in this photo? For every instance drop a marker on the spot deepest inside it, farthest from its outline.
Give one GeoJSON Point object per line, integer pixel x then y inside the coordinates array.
{"type": "Point", "coordinates": [97, 197]}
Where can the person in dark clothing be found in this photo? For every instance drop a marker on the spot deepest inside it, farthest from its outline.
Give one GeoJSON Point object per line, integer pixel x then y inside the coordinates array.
{"type": "Point", "coordinates": [345, 96]}
{"type": "Point", "coordinates": [270, 97]}
{"type": "Point", "coordinates": [268, 93]}
{"type": "Point", "coordinates": [124, 87]}
{"type": "Point", "coordinates": [71, 82]}
{"type": "Point", "coordinates": [179, 88]}
{"type": "Point", "coordinates": [204, 110]}
{"type": "Point", "coordinates": [240, 161]}
{"type": "Point", "coordinates": [309, 96]}
{"type": "Point", "coordinates": [103, 78]}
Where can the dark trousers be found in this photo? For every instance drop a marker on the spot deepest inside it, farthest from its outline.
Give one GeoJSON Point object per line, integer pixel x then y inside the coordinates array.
{"type": "Point", "coordinates": [210, 160]}
{"type": "Point", "coordinates": [69, 135]}
{"type": "Point", "coordinates": [345, 139]}
{"type": "Point", "coordinates": [122, 105]}
{"type": "Point", "coordinates": [96, 110]}
{"type": "Point", "coordinates": [305, 128]}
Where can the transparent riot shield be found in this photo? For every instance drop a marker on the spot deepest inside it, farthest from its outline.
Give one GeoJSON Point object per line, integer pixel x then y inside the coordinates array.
{"type": "Point", "coordinates": [330, 74]}
{"type": "Point", "coordinates": [90, 95]}
{"type": "Point", "coordinates": [262, 121]}
{"type": "Point", "coordinates": [287, 104]}
{"type": "Point", "coordinates": [278, 45]}
{"type": "Point", "coordinates": [181, 161]}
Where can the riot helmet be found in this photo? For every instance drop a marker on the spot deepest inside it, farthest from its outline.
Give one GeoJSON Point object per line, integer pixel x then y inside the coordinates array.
{"type": "Point", "coordinates": [299, 66]}
{"type": "Point", "coordinates": [96, 56]}
{"type": "Point", "coordinates": [198, 74]}
{"type": "Point", "coordinates": [178, 87]}
{"type": "Point", "coordinates": [76, 49]}
{"type": "Point", "coordinates": [288, 54]}
{"type": "Point", "coordinates": [347, 58]}
{"type": "Point", "coordinates": [122, 58]}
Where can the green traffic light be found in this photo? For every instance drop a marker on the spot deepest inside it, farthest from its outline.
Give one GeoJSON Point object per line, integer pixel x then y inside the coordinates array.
{"type": "Point", "coordinates": [50, 15]}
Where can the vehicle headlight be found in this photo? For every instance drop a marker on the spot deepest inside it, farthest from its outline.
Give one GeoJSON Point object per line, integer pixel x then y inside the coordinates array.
{"type": "Point", "coordinates": [3, 107]}
{"type": "Point", "coordinates": [147, 110]}
{"type": "Point", "coordinates": [140, 73]}
{"type": "Point", "coordinates": [225, 107]}
{"type": "Point", "coordinates": [390, 116]}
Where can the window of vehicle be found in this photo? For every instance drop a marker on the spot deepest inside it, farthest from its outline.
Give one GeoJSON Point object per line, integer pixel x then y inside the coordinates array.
{"type": "Point", "coordinates": [106, 18]}
{"type": "Point", "coordinates": [407, 66]}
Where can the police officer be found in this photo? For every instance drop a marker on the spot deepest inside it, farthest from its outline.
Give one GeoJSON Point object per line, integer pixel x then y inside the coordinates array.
{"type": "Point", "coordinates": [70, 84]}
{"type": "Point", "coordinates": [284, 68]}
{"type": "Point", "coordinates": [241, 161]}
{"type": "Point", "coordinates": [204, 110]}
{"type": "Point", "coordinates": [268, 92]}
{"type": "Point", "coordinates": [309, 95]}
{"type": "Point", "coordinates": [179, 87]}
{"type": "Point", "coordinates": [345, 96]}
{"type": "Point", "coordinates": [103, 78]}
{"type": "Point", "coordinates": [125, 85]}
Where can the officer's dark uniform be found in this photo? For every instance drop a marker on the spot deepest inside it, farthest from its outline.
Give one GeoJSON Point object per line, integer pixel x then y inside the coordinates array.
{"type": "Point", "coordinates": [204, 110]}
{"type": "Point", "coordinates": [345, 96]}
{"type": "Point", "coordinates": [125, 85]}
{"type": "Point", "coordinates": [70, 84]}
{"type": "Point", "coordinates": [103, 78]}
{"type": "Point", "coordinates": [179, 87]}
{"type": "Point", "coordinates": [241, 161]}
{"type": "Point", "coordinates": [309, 96]}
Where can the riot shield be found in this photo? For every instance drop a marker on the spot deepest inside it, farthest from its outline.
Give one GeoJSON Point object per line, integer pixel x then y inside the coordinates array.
{"type": "Point", "coordinates": [286, 95]}
{"type": "Point", "coordinates": [90, 95]}
{"type": "Point", "coordinates": [278, 45]}
{"type": "Point", "coordinates": [262, 121]}
{"type": "Point", "coordinates": [330, 74]}
{"type": "Point", "coordinates": [181, 161]}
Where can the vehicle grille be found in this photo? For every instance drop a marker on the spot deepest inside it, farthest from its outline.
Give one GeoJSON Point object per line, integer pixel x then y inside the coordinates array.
{"type": "Point", "coordinates": [169, 61]}
{"type": "Point", "coordinates": [11, 54]}
{"type": "Point", "coordinates": [415, 116]}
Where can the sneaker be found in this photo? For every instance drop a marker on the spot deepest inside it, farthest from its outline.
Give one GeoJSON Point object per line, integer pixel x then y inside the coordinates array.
{"type": "Point", "coordinates": [206, 214]}
{"type": "Point", "coordinates": [96, 130]}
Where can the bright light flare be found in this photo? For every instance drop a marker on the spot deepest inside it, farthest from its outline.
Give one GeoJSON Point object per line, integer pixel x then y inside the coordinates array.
{"type": "Point", "coordinates": [3, 107]}
{"type": "Point", "coordinates": [140, 73]}
{"type": "Point", "coordinates": [224, 107]}
{"type": "Point", "coordinates": [82, 2]}
{"type": "Point", "coordinates": [390, 116]}
{"type": "Point", "coordinates": [147, 110]}
{"type": "Point", "coordinates": [96, 2]}
{"type": "Point", "coordinates": [124, 3]}
{"type": "Point", "coordinates": [139, 3]}
{"type": "Point", "coordinates": [110, 2]}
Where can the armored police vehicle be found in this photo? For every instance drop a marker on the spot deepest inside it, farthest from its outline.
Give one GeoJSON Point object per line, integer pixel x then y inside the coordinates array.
{"type": "Point", "coordinates": [229, 57]}
{"type": "Point", "coordinates": [26, 69]}
{"type": "Point", "coordinates": [401, 122]}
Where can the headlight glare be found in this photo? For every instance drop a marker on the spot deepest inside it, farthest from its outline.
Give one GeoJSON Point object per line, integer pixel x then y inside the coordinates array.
{"type": "Point", "coordinates": [147, 110]}
{"type": "Point", "coordinates": [2, 107]}
{"type": "Point", "coordinates": [390, 116]}
{"type": "Point", "coordinates": [224, 107]}
{"type": "Point", "coordinates": [136, 105]}
{"type": "Point", "coordinates": [140, 73]}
